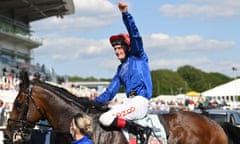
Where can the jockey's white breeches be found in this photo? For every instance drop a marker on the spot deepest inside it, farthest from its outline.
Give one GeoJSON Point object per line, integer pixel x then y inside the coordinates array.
{"type": "Point", "coordinates": [132, 108]}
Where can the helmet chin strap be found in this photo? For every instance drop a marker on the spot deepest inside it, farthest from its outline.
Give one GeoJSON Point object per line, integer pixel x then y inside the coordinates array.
{"type": "Point", "coordinates": [125, 50]}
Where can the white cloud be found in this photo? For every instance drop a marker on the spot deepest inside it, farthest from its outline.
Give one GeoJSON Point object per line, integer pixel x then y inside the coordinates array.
{"type": "Point", "coordinates": [89, 15]}
{"type": "Point", "coordinates": [203, 8]}
{"type": "Point", "coordinates": [186, 44]}
{"type": "Point", "coordinates": [65, 48]}
{"type": "Point", "coordinates": [94, 6]}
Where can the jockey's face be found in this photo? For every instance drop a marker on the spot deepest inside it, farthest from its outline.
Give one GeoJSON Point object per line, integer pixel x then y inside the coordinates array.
{"type": "Point", "coordinates": [119, 51]}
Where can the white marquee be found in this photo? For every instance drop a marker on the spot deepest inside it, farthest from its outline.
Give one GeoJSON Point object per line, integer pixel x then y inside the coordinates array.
{"type": "Point", "coordinates": [231, 88]}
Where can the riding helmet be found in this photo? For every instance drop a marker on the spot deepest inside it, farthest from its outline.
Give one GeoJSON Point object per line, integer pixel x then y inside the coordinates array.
{"type": "Point", "coordinates": [120, 39]}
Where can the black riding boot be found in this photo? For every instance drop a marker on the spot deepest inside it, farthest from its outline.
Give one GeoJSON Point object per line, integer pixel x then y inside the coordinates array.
{"type": "Point", "coordinates": [139, 131]}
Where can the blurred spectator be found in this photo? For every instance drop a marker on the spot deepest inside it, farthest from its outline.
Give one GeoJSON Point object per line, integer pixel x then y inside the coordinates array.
{"type": "Point", "coordinates": [1, 116]}
{"type": "Point", "coordinates": [5, 113]}
{"type": "Point", "coordinates": [45, 132]}
{"type": "Point", "coordinates": [191, 105]}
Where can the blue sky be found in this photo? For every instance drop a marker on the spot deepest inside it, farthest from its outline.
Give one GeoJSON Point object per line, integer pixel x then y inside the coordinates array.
{"type": "Point", "coordinates": [201, 33]}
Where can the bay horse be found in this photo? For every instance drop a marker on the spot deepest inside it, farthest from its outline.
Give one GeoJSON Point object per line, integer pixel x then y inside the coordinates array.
{"type": "Point", "coordinates": [38, 100]}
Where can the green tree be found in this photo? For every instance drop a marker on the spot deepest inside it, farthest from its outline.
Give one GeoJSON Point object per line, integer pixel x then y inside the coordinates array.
{"type": "Point", "coordinates": [215, 79]}
{"type": "Point", "coordinates": [75, 78]}
{"type": "Point", "coordinates": [199, 80]}
{"type": "Point", "coordinates": [167, 82]}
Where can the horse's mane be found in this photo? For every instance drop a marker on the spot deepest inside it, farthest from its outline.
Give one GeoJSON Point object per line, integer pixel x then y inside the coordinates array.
{"type": "Point", "coordinates": [83, 102]}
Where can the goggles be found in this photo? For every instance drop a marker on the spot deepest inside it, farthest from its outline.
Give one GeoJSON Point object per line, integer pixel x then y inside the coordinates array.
{"type": "Point", "coordinates": [117, 42]}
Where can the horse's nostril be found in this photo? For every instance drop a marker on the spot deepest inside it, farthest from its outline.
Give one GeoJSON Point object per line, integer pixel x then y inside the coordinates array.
{"type": "Point", "coordinates": [6, 139]}
{"type": "Point", "coordinates": [6, 136]}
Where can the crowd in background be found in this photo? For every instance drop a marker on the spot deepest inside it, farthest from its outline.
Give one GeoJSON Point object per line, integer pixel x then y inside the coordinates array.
{"type": "Point", "coordinates": [187, 105]}
{"type": "Point", "coordinates": [4, 112]}
{"type": "Point", "coordinates": [9, 80]}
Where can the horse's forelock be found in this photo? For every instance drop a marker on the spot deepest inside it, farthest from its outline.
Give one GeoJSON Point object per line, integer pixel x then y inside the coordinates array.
{"type": "Point", "coordinates": [24, 80]}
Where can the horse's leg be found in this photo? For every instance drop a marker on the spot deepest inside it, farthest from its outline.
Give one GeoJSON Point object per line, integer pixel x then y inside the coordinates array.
{"type": "Point", "coordinates": [59, 138]}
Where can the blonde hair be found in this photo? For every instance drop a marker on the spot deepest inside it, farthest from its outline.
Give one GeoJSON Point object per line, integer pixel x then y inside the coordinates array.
{"type": "Point", "coordinates": [84, 123]}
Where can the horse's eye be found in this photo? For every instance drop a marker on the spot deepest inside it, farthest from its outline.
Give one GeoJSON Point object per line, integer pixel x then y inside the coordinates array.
{"type": "Point", "coordinates": [19, 106]}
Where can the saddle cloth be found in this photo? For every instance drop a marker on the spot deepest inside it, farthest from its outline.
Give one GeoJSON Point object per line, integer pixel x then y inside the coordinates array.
{"type": "Point", "coordinates": [158, 135]}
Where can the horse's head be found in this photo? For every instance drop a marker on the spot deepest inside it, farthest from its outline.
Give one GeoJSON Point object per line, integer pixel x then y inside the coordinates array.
{"type": "Point", "coordinates": [24, 114]}
{"type": "Point", "coordinates": [38, 100]}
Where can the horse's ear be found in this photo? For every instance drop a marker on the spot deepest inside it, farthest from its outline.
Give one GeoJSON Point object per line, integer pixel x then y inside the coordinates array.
{"type": "Point", "coordinates": [24, 78]}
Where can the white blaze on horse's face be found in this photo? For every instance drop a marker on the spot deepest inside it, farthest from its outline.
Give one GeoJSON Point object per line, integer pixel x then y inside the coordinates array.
{"type": "Point", "coordinates": [19, 137]}
{"type": "Point", "coordinates": [119, 52]}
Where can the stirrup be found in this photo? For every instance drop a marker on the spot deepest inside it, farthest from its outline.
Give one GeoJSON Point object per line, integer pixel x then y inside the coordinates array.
{"type": "Point", "coordinates": [144, 136]}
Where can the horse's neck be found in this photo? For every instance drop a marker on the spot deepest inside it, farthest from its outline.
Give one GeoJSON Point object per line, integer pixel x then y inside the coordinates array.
{"type": "Point", "coordinates": [61, 105]}
{"type": "Point", "coordinates": [57, 111]}
{"type": "Point", "coordinates": [59, 116]}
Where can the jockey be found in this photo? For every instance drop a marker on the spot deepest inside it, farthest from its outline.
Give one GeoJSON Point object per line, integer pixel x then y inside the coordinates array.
{"type": "Point", "coordinates": [134, 74]}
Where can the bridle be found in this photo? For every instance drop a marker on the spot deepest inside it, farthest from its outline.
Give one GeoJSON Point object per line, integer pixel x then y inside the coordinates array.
{"type": "Point", "coordinates": [27, 127]}
{"type": "Point", "coordinates": [21, 127]}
